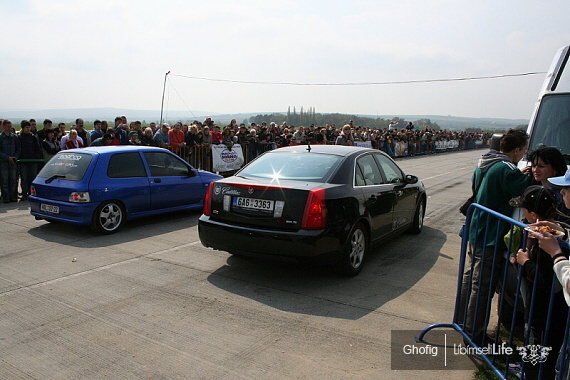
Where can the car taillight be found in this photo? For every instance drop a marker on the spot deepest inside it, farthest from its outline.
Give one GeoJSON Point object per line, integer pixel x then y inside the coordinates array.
{"type": "Point", "coordinates": [208, 200]}
{"type": "Point", "coordinates": [32, 191]}
{"type": "Point", "coordinates": [314, 217]}
{"type": "Point", "coordinates": [79, 197]}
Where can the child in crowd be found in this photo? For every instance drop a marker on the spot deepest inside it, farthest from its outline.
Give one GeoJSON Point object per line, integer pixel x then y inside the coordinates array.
{"type": "Point", "coordinates": [550, 243]}
{"type": "Point", "coordinates": [538, 203]}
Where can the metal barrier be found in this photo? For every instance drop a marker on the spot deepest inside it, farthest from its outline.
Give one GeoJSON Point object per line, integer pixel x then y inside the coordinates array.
{"type": "Point", "coordinates": [466, 314]}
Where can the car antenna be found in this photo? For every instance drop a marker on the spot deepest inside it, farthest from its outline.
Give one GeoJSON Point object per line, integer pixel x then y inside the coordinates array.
{"type": "Point", "coordinates": [308, 147]}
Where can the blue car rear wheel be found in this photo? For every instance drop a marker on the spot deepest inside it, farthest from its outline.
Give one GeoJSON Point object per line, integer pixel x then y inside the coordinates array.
{"type": "Point", "coordinates": [108, 217]}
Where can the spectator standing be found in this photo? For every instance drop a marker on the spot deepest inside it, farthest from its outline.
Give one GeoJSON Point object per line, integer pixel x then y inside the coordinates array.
{"type": "Point", "coordinates": [177, 138]}
{"type": "Point", "coordinates": [547, 162]}
{"type": "Point", "coordinates": [495, 180]}
{"type": "Point", "coordinates": [539, 203]}
{"type": "Point", "coordinates": [161, 136]}
{"type": "Point", "coordinates": [97, 131]}
{"type": "Point", "coordinates": [81, 132]}
{"type": "Point", "coordinates": [73, 140]}
{"type": "Point", "coordinates": [9, 154]}
{"type": "Point", "coordinates": [299, 136]}
{"type": "Point", "coordinates": [345, 137]}
{"type": "Point", "coordinates": [134, 138]}
{"type": "Point", "coordinates": [121, 133]}
{"type": "Point", "coordinates": [147, 139]}
{"type": "Point", "coordinates": [33, 127]}
{"type": "Point", "coordinates": [63, 141]}
{"type": "Point", "coordinates": [217, 137]}
{"type": "Point", "coordinates": [62, 132]}
{"type": "Point", "coordinates": [41, 134]}
{"type": "Point", "coordinates": [29, 154]}
{"type": "Point", "coordinates": [49, 145]}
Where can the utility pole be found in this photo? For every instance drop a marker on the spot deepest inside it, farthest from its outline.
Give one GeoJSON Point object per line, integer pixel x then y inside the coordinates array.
{"type": "Point", "coordinates": [162, 105]}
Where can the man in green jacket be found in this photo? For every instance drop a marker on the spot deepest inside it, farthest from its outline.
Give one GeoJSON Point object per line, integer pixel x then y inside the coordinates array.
{"type": "Point", "coordinates": [497, 180]}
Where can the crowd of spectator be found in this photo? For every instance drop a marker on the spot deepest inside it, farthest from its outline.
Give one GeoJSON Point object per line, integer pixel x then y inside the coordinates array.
{"type": "Point", "coordinates": [23, 151]}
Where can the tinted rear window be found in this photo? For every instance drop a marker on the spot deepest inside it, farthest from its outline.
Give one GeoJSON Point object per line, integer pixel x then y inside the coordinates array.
{"type": "Point", "coordinates": [313, 167]}
{"type": "Point", "coordinates": [70, 166]}
{"type": "Point", "coordinates": [126, 165]}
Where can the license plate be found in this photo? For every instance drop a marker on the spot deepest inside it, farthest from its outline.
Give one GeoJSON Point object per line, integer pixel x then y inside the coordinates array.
{"type": "Point", "coordinates": [50, 208]}
{"type": "Point", "coordinates": [254, 204]}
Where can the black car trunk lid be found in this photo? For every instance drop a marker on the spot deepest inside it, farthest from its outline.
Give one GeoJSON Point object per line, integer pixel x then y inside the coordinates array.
{"type": "Point", "coordinates": [260, 205]}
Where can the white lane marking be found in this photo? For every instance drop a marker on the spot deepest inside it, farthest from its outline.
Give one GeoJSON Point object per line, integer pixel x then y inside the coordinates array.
{"type": "Point", "coordinates": [451, 171]}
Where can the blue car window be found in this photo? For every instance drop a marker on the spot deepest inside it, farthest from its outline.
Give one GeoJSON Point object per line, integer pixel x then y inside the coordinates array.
{"type": "Point", "coordinates": [126, 165]}
{"type": "Point", "coordinates": [164, 164]}
{"type": "Point", "coordinates": [68, 166]}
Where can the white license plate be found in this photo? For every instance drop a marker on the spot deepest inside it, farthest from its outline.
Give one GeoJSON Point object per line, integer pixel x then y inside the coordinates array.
{"type": "Point", "coordinates": [50, 208]}
{"type": "Point", "coordinates": [254, 204]}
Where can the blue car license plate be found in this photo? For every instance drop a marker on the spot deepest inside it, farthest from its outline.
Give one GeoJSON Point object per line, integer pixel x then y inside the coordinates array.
{"type": "Point", "coordinates": [49, 208]}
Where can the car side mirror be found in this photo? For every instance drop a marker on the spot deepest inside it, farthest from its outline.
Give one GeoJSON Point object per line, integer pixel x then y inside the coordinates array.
{"type": "Point", "coordinates": [411, 179]}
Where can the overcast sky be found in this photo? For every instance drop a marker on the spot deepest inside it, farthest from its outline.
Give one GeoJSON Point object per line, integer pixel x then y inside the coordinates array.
{"type": "Point", "coordinates": [112, 53]}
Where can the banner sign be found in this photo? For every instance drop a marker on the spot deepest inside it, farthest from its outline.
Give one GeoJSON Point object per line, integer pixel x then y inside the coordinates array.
{"type": "Point", "coordinates": [226, 159]}
{"type": "Point", "coordinates": [365, 144]}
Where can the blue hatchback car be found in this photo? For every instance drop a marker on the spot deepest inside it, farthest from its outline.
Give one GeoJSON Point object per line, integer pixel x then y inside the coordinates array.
{"type": "Point", "coordinates": [106, 186]}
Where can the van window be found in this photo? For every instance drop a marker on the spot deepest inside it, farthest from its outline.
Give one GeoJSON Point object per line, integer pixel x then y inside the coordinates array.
{"type": "Point", "coordinates": [69, 166]}
{"type": "Point", "coordinates": [552, 125]}
{"type": "Point", "coordinates": [126, 165]}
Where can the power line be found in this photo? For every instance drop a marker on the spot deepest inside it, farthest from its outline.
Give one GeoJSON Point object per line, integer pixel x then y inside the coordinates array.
{"type": "Point", "coordinates": [177, 93]}
{"type": "Point", "coordinates": [363, 83]}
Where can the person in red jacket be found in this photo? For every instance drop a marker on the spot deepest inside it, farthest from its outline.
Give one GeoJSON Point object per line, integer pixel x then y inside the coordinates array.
{"type": "Point", "coordinates": [72, 141]}
{"type": "Point", "coordinates": [177, 138]}
{"type": "Point", "coordinates": [217, 136]}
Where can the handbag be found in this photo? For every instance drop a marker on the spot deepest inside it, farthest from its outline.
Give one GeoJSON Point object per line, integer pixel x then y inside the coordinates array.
{"type": "Point", "coordinates": [465, 206]}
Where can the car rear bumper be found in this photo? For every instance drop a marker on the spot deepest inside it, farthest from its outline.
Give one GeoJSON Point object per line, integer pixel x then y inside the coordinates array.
{"type": "Point", "coordinates": [77, 213]}
{"type": "Point", "coordinates": [269, 243]}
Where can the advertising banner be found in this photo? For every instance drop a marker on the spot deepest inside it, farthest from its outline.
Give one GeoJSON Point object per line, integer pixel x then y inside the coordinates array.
{"type": "Point", "coordinates": [226, 159]}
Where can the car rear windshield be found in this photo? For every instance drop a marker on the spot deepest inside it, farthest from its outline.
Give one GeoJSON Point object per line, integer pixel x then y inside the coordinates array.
{"type": "Point", "coordinates": [69, 166]}
{"type": "Point", "coordinates": [313, 167]}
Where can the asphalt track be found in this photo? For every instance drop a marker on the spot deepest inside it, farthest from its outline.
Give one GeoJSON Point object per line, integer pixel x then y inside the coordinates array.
{"type": "Point", "coordinates": [150, 302]}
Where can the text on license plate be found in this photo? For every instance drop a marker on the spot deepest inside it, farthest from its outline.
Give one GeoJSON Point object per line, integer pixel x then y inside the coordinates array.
{"type": "Point", "coordinates": [50, 208]}
{"type": "Point", "coordinates": [257, 204]}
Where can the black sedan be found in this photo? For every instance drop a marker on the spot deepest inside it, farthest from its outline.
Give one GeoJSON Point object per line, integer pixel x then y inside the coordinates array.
{"type": "Point", "coordinates": [326, 201]}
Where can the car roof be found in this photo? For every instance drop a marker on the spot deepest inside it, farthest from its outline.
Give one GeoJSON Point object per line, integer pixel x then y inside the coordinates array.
{"type": "Point", "coordinates": [113, 149]}
{"type": "Point", "coordinates": [341, 150]}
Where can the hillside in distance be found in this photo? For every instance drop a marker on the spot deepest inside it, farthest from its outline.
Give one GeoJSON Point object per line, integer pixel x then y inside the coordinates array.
{"type": "Point", "coordinates": [147, 116]}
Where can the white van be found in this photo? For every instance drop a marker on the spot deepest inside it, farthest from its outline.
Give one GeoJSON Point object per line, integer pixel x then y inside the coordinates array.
{"type": "Point", "coordinates": [550, 122]}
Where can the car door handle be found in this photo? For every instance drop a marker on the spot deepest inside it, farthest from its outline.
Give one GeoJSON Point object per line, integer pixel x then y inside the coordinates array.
{"type": "Point", "coordinates": [157, 180]}
{"type": "Point", "coordinates": [399, 193]}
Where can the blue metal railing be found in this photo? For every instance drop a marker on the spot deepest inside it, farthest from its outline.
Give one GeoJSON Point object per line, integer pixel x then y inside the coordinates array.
{"type": "Point", "coordinates": [500, 262]}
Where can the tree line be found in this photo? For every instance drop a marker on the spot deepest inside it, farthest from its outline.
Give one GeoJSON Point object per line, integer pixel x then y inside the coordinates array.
{"type": "Point", "coordinates": [308, 116]}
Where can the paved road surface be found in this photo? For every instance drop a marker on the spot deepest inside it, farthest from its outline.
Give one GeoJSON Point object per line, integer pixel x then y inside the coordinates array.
{"type": "Point", "coordinates": [151, 303]}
